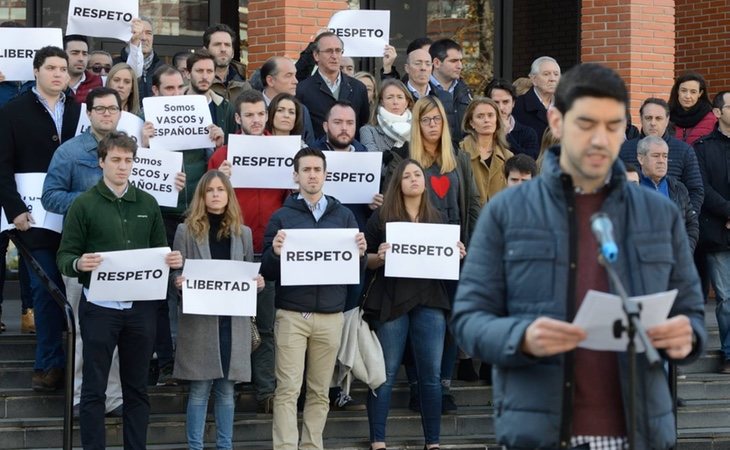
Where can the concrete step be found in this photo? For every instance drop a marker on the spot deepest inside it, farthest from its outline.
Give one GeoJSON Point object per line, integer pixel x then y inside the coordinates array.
{"type": "Point", "coordinates": [24, 403]}
{"type": "Point", "coordinates": [704, 413]}
{"type": "Point", "coordinates": [170, 428]}
{"type": "Point", "coordinates": [707, 363]}
{"type": "Point", "coordinates": [698, 386]}
{"type": "Point", "coordinates": [16, 346]}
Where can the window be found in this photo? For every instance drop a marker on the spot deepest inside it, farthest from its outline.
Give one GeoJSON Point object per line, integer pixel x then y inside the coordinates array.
{"type": "Point", "coordinates": [14, 10]}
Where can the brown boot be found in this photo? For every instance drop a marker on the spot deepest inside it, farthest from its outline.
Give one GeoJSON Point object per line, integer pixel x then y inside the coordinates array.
{"type": "Point", "coordinates": [51, 380]}
{"type": "Point", "coordinates": [27, 321]}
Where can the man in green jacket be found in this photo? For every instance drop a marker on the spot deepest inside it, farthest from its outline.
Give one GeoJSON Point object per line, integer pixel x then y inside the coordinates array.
{"type": "Point", "coordinates": [113, 215]}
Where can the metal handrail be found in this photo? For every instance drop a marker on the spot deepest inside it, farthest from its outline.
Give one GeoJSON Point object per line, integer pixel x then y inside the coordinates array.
{"type": "Point", "coordinates": [60, 299]}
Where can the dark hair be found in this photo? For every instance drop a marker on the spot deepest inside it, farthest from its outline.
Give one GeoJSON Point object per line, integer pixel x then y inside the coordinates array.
{"type": "Point", "coordinates": [101, 92]}
{"type": "Point", "coordinates": [418, 43]}
{"type": "Point", "coordinates": [394, 209]}
{"type": "Point", "coordinates": [689, 76]}
{"type": "Point", "coordinates": [440, 48]}
{"type": "Point", "coordinates": [522, 163]}
{"type": "Point", "coordinates": [270, 67]}
{"type": "Point", "coordinates": [309, 151]}
{"type": "Point", "coordinates": [199, 55]}
{"type": "Point", "coordinates": [48, 52]}
{"type": "Point", "coordinates": [180, 55]}
{"type": "Point", "coordinates": [500, 83]}
{"type": "Point", "coordinates": [215, 29]}
{"type": "Point", "coordinates": [719, 100]}
{"type": "Point", "coordinates": [298, 119]}
{"type": "Point", "coordinates": [75, 37]}
{"type": "Point", "coordinates": [10, 24]}
{"type": "Point", "coordinates": [116, 139]}
{"type": "Point", "coordinates": [340, 103]}
{"type": "Point", "coordinates": [589, 80]}
{"type": "Point", "coordinates": [654, 101]}
{"type": "Point", "coordinates": [164, 69]}
{"type": "Point", "coordinates": [249, 96]}
{"type": "Point", "coordinates": [631, 168]}
{"type": "Point", "coordinates": [326, 34]}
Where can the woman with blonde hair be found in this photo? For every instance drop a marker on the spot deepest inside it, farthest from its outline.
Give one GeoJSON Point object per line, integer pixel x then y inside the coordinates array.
{"type": "Point", "coordinates": [391, 126]}
{"type": "Point", "coordinates": [453, 192]}
{"type": "Point", "coordinates": [213, 352]}
{"type": "Point", "coordinates": [371, 85]}
{"type": "Point", "coordinates": [486, 145]}
{"type": "Point", "coordinates": [122, 79]}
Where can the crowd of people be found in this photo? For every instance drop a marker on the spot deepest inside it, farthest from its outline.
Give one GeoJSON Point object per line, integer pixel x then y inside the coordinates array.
{"type": "Point", "coordinates": [447, 153]}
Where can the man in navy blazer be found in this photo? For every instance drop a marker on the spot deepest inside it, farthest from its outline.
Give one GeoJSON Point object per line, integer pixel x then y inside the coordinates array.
{"type": "Point", "coordinates": [531, 108]}
{"type": "Point", "coordinates": [328, 85]}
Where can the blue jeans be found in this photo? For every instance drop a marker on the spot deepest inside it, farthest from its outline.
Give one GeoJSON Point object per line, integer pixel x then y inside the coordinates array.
{"type": "Point", "coordinates": [426, 328]}
{"type": "Point", "coordinates": [49, 320]}
{"type": "Point", "coordinates": [718, 264]}
{"type": "Point", "coordinates": [198, 408]}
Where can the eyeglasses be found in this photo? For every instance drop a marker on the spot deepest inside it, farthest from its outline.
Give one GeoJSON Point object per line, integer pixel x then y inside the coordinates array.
{"type": "Point", "coordinates": [429, 120]}
{"type": "Point", "coordinates": [106, 109]}
{"type": "Point", "coordinates": [98, 68]}
{"type": "Point", "coordinates": [331, 51]}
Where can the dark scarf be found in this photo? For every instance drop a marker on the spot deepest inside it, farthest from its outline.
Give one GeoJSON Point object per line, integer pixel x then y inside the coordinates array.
{"type": "Point", "coordinates": [688, 118]}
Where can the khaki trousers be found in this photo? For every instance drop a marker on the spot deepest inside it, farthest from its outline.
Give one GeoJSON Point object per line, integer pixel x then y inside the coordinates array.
{"type": "Point", "coordinates": [318, 339]}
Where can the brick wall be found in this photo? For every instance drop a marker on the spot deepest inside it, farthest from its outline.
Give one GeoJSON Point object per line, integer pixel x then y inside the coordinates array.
{"type": "Point", "coordinates": [545, 28]}
{"type": "Point", "coordinates": [703, 41]}
{"type": "Point", "coordinates": [284, 27]}
{"type": "Point", "coordinates": [634, 37]}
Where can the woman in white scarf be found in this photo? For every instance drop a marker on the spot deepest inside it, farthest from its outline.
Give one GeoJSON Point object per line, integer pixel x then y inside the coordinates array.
{"type": "Point", "coordinates": [392, 127]}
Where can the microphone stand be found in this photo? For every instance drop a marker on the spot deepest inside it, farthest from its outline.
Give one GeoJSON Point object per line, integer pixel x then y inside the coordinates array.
{"type": "Point", "coordinates": [633, 329]}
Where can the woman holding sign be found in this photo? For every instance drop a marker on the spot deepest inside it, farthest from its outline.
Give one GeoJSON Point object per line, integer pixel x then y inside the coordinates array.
{"type": "Point", "coordinates": [123, 80]}
{"type": "Point", "coordinates": [392, 123]}
{"type": "Point", "coordinates": [285, 117]}
{"type": "Point", "coordinates": [486, 145]}
{"type": "Point", "coordinates": [213, 351]}
{"type": "Point", "coordinates": [406, 309]}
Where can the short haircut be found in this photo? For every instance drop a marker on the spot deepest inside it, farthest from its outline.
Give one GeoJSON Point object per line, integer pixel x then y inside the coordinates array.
{"type": "Point", "coordinates": [341, 104]}
{"type": "Point", "coordinates": [535, 66]}
{"type": "Point", "coordinates": [180, 55]}
{"type": "Point", "coordinates": [704, 98]}
{"type": "Point", "coordinates": [75, 37]}
{"type": "Point", "coordinates": [440, 48]}
{"type": "Point", "coordinates": [631, 168]}
{"type": "Point", "coordinates": [309, 151]}
{"type": "Point", "coordinates": [522, 163]}
{"type": "Point", "coordinates": [221, 27]}
{"type": "Point", "coordinates": [249, 96]}
{"type": "Point", "coordinates": [148, 20]}
{"type": "Point", "coordinates": [101, 92]}
{"type": "Point", "coordinates": [164, 69]}
{"type": "Point", "coordinates": [116, 139]}
{"type": "Point", "coordinates": [644, 144]}
{"type": "Point", "coordinates": [719, 100]}
{"type": "Point", "coordinates": [589, 80]}
{"type": "Point", "coordinates": [500, 83]}
{"type": "Point", "coordinates": [100, 52]}
{"type": "Point", "coordinates": [200, 55]}
{"type": "Point", "coordinates": [48, 52]}
{"type": "Point", "coordinates": [654, 101]}
{"type": "Point", "coordinates": [270, 67]}
{"type": "Point", "coordinates": [418, 43]}
{"type": "Point", "coordinates": [326, 34]}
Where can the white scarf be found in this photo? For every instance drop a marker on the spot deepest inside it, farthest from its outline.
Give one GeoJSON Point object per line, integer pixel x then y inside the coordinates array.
{"type": "Point", "coordinates": [396, 127]}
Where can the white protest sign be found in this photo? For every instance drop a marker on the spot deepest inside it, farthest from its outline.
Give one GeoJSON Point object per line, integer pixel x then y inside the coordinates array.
{"type": "Point", "coordinates": [422, 250]}
{"type": "Point", "coordinates": [180, 122]}
{"type": "Point", "coordinates": [353, 177]}
{"type": "Point", "coordinates": [102, 19]}
{"type": "Point", "coordinates": [263, 161]}
{"type": "Point", "coordinates": [30, 188]}
{"type": "Point", "coordinates": [128, 122]}
{"type": "Point", "coordinates": [363, 32]}
{"type": "Point", "coordinates": [154, 172]}
{"type": "Point", "coordinates": [18, 47]}
{"type": "Point", "coordinates": [219, 287]}
{"type": "Point", "coordinates": [320, 256]}
{"type": "Point", "coordinates": [130, 275]}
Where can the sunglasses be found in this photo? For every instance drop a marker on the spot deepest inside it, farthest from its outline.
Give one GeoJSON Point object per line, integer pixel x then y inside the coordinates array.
{"type": "Point", "coordinates": [99, 69]}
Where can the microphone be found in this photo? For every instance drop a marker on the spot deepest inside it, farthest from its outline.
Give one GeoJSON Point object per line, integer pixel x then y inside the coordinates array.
{"type": "Point", "coordinates": [602, 228]}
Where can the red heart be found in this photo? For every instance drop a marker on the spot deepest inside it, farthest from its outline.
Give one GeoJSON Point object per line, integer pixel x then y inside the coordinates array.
{"type": "Point", "coordinates": [440, 185]}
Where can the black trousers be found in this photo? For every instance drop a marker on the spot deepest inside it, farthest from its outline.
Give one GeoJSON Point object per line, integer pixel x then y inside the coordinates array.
{"type": "Point", "coordinates": [133, 331]}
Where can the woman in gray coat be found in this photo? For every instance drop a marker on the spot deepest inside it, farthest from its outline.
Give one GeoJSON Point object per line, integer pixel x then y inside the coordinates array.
{"type": "Point", "coordinates": [213, 351]}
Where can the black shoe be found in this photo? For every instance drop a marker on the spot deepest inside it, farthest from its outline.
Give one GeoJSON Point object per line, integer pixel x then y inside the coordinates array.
{"type": "Point", "coordinates": [116, 412]}
{"type": "Point", "coordinates": [2, 325]}
{"type": "Point", "coordinates": [448, 405]}
{"type": "Point", "coordinates": [725, 367]}
{"type": "Point", "coordinates": [466, 371]}
{"type": "Point", "coordinates": [344, 402]}
{"type": "Point", "coordinates": [166, 378]}
{"type": "Point", "coordinates": [485, 373]}
{"type": "Point", "coordinates": [266, 406]}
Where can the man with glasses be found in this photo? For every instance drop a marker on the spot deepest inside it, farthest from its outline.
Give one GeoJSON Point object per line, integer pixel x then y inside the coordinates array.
{"type": "Point", "coordinates": [81, 81]}
{"type": "Point", "coordinates": [329, 84]}
{"type": "Point", "coordinates": [100, 62]}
